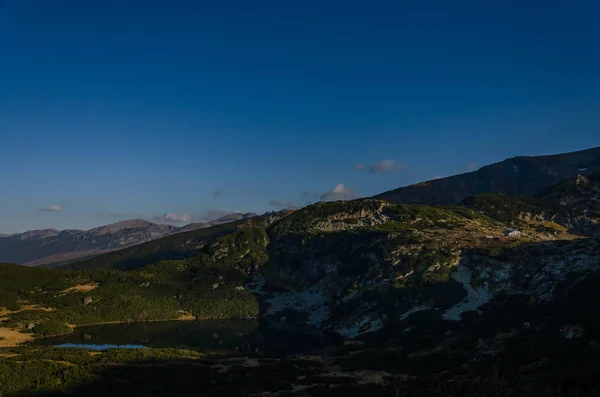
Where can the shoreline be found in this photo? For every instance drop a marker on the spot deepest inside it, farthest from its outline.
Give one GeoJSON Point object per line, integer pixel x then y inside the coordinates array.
{"type": "Point", "coordinates": [155, 321]}
{"type": "Point", "coordinates": [17, 338]}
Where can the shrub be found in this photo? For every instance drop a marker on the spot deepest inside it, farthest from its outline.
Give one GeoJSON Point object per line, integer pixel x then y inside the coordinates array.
{"type": "Point", "coordinates": [50, 328]}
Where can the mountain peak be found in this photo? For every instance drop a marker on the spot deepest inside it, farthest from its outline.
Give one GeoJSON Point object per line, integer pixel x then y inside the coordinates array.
{"type": "Point", "coordinates": [523, 175]}
{"type": "Point", "coordinates": [131, 223]}
{"type": "Point", "coordinates": [137, 223]}
{"type": "Point", "coordinates": [38, 233]}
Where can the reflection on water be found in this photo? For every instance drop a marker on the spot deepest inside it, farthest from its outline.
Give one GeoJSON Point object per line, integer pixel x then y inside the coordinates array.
{"type": "Point", "coordinates": [204, 336]}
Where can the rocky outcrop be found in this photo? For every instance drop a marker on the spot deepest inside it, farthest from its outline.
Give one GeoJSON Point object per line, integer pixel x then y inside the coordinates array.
{"type": "Point", "coordinates": [394, 265]}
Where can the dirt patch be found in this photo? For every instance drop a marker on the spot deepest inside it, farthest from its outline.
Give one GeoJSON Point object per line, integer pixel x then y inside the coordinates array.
{"type": "Point", "coordinates": [81, 288]}
{"type": "Point", "coordinates": [9, 355]}
{"type": "Point", "coordinates": [4, 312]}
{"type": "Point", "coordinates": [185, 316]}
{"type": "Point", "coordinates": [12, 337]}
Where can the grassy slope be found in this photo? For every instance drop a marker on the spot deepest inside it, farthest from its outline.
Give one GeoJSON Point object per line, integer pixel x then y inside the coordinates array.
{"type": "Point", "coordinates": [209, 285]}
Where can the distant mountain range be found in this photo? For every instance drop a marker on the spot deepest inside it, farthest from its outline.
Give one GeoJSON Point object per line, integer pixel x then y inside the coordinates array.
{"type": "Point", "coordinates": [515, 176]}
{"type": "Point", "coordinates": [41, 247]}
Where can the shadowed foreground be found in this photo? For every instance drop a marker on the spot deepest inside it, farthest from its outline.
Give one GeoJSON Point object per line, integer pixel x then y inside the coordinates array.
{"type": "Point", "coordinates": [354, 370]}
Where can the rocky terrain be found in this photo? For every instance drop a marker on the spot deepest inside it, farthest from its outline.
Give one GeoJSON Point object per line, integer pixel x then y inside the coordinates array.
{"type": "Point", "coordinates": [515, 176]}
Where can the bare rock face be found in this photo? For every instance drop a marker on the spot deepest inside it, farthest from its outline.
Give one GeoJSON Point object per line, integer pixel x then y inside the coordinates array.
{"type": "Point", "coordinates": [515, 176]}
{"type": "Point", "coordinates": [354, 268]}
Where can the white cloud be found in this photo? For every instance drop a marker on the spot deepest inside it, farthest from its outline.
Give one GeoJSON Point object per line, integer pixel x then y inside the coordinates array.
{"type": "Point", "coordinates": [174, 218]}
{"type": "Point", "coordinates": [471, 167]}
{"type": "Point", "coordinates": [309, 193]}
{"type": "Point", "coordinates": [385, 166]}
{"type": "Point", "coordinates": [360, 166]}
{"type": "Point", "coordinates": [339, 193]}
{"type": "Point", "coordinates": [208, 215]}
{"type": "Point", "coordinates": [436, 177]}
{"type": "Point", "coordinates": [52, 208]}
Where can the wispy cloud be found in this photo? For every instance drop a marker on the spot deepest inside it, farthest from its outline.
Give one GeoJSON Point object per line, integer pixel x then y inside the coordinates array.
{"type": "Point", "coordinates": [52, 208]}
{"type": "Point", "coordinates": [172, 217]}
{"type": "Point", "coordinates": [205, 216]}
{"type": "Point", "coordinates": [385, 166]}
{"type": "Point", "coordinates": [309, 193]}
{"type": "Point", "coordinates": [382, 166]}
{"type": "Point", "coordinates": [340, 192]}
{"type": "Point", "coordinates": [282, 204]}
{"type": "Point", "coordinates": [436, 177]}
{"type": "Point", "coordinates": [471, 167]}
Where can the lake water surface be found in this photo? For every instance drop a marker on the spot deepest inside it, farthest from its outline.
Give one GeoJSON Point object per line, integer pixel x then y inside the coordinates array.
{"type": "Point", "coordinates": [204, 336]}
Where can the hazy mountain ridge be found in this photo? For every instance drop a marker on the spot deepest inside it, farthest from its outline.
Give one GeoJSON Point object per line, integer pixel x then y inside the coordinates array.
{"type": "Point", "coordinates": [515, 176]}
{"type": "Point", "coordinates": [39, 247]}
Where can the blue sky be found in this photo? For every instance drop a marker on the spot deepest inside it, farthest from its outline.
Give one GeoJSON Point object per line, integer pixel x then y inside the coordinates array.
{"type": "Point", "coordinates": [113, 109]}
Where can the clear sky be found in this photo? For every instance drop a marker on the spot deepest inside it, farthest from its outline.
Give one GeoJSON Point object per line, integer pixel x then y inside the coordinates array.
{"type": "Point", "coordinates": [111, 109]}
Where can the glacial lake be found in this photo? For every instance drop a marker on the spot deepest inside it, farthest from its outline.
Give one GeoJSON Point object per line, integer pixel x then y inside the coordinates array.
{"type": "Point", "coordinates": [203, 336]}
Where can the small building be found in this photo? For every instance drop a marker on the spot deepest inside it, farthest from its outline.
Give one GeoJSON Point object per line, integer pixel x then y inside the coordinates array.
{"type": "Point", "coordinates": [513, 233]}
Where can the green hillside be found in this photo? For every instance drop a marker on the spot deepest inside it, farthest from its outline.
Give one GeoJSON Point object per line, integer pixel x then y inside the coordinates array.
{"type": "Point", "coordinates": [214, 272]}
{"type": "Point", "coordinates": [177, 246]}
